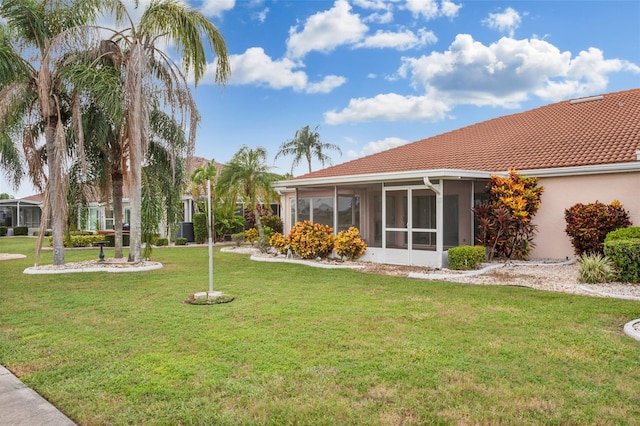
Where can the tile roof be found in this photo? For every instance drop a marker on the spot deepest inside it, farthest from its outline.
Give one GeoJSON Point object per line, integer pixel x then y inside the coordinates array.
{"type": "Point", "coordinates": [596, 130]}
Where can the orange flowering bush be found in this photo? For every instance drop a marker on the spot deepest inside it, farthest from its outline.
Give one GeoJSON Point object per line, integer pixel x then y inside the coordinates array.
{"type": "Point", "coordinates": [279, 242]}
{"type": "Point", "coordinates": [251, 235]}
{"type": "Point", "coordinates": [348, 244]}
{"type": "Point", "coordinates": [311, 240]}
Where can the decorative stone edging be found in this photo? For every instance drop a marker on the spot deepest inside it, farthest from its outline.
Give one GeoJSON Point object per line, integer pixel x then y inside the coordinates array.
{"type": "Point", "coordinates": [34, 270]}
{"type": "Point", "coordinates": [613, 295]}
{"type": "Point", "coordinates": [305, 262]}
{"type": "Point", "coordinates": [631, 331]}
{"type": "Point", "coordinates": [475, 272]}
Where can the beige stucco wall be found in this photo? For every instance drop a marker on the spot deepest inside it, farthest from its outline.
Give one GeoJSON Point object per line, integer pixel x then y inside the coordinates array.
{"type": "Point", "coordinates": [561, 193]}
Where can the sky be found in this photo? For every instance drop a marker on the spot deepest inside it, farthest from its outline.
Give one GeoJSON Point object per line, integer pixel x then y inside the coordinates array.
{"type": "Point", "coordinates": [374, 74]}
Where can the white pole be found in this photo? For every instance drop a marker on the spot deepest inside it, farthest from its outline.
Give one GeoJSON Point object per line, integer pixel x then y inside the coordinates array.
{"type": "Point", "coordinates": [210, 239]}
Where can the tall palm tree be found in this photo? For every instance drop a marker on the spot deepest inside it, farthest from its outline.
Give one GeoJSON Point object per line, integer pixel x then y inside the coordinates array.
{"type": "Point", "coordinates": [307, 144]}
{"type": "Point", "coordinates": [151, 79]}
{"type": "Point", "coordinates": [35, 101]}
{"type": "Point", "coordinates": [247, 176]}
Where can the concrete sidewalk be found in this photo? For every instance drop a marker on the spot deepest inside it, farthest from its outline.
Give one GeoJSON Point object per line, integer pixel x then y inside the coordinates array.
{"type": "Point", "coordinates": [21, 406]}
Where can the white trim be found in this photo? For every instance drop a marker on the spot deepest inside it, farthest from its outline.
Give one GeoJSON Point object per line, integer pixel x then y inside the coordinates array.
{"type": "Point", "coordinates": [633, 166]}
{"type": "Point", "coordinates": [383, 177]}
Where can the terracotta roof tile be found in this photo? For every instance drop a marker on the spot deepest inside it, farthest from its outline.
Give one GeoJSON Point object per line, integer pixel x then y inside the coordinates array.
{"type": "Point", "coordinates": [596, 130]}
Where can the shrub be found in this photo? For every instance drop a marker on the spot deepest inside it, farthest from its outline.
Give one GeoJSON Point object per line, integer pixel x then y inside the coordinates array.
{"type": "Point", "coordinates": [80, 240]}
{"type": "Point", "coordinates": [3, 231]}
{"type": "Point", "coordinates": [466, 257]}
{"type": "Point", "coordinates": [623, 234]}
{"type": "Point", "coordinates": [251, 235]}
{"type": "Point", "coordinates": [504, 220]}
{"type": "Point", "coordinates": [181, 241]}
{"type": "Point", "coordinates": [20, 230]}
{"type": "Point", "coordinates": [596, 268]}
{"type": "Point", "coordinates": [161, 242]}
{"type": "Point", "coordinates": [272, 221]}
{"type": "Point", "coordinates": [311, 240]}
{"type": "Point", "coordinates": [348, 244]}
{"type": "Point", "coordinates": [111, 240]}
{"type": "Point", "coordinates": [589, 224]}
{"type": "Point", "coordinates": [625, 255]}
{"type": "Point", "coordinates": [238, 238]}
{"type": "Point", "coordinates": [268, 233]}
{"type": "Point", "coordinates": [200, 231]}
{"type": "Point", "coordinates": [279, 242]}
{"type": "Point", "coordinates": [47, 233]}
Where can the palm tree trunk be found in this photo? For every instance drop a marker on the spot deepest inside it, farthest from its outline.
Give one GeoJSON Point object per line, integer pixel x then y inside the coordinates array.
{"type": "Point", "coordinates": [117, 182]}
{"type": "Point", "coordinates": [54, 186]}
{"type": "Point", "coordinates": [261, 242]}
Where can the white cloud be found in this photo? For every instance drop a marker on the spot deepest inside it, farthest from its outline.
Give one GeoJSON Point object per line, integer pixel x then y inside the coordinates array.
{"type": "Point", "coordinates": [379, 17]}
{"type": "Point", "coordinates": [377, 146]}
{"type": "Point", "coordinates": [262, 15]}
{"type": "Point", "coordinates": [402, 40]}
{"type": "Point", "coordinates": [329, 83]}
{"type": "Point", "coordinates": [506, 72]}
{"type": "Point", "coordinates": [255, 67]}
{"type": "Point", "coordinates": [502, 74]}
{"type": "Point", "coordinates": [215, 8]}
{"type": "Point", "coordinates": [389, 107]}
{"type": "Point", "coordinates": [505, 22]}
{"type": "Point", "coordinates": [325, 31]}
{"type": "Point", "coordinates": [429, 9]}
{"type": "Point", "coordinates": [449, 9]}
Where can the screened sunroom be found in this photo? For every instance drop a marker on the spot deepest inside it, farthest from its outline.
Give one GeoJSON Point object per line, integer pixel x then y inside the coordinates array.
{"type": "Point", "coordinates": [405, 219]}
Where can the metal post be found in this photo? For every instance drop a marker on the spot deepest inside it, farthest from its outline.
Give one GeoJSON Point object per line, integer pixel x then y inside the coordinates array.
{"type": "Point", "coordinates": [209, 226]}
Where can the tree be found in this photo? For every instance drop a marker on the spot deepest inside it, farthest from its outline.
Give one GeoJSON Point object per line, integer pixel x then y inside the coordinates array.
{"type": "Point", "coordinates": [306, 144]}
{"type": "Point", "coordinates": [38, 102]}
{"type": "Point", "coordinates": [504, 219]}
{"type": "Point", "coordinates": [247, 176]}
{"type": "Point", "coordinates": [152, 79]}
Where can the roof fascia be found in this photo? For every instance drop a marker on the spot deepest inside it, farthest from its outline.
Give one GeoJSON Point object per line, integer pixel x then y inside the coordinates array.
{"type": "Point", "coordinates": [383, 177]}
{"type": "Point", "coordinates": [633, 166]}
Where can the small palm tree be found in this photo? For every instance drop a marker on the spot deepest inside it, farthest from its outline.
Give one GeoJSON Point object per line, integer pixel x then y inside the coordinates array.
{"type": "Point", "coordinates": [247, 176]}
{"type": "Point", "coordinates": [306, 144]}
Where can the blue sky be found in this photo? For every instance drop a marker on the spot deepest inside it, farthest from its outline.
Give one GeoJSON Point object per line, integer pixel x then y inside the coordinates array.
{"type": "Point", "coordinates": [373, 74]}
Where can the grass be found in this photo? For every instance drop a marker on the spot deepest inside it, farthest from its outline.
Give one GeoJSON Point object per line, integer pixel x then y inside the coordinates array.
{"type": "Point", "coordinates": [300, 345]}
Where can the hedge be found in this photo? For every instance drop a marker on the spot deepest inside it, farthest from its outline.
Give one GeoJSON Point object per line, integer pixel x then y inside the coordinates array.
{"type": "Point", "coordinates": [466, 257]}
{"type": "Point", "coordinates": [20, 230]}
{"type": "Point", "coordinates": [623, 234]}
{"type": "Point", "coordinates": [79, 240]}
{"type": "Point", "coordinates": [3, 231]}
{"type": "Point", "coordinates": [625, 255]}
{"type": "Point", "coordinates": [181, 241]}
{"type": "Point", "coordinates": [200, 228]}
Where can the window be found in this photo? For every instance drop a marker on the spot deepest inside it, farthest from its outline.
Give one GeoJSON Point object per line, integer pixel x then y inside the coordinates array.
{"type": "Point", "coordinates": [321, 210]}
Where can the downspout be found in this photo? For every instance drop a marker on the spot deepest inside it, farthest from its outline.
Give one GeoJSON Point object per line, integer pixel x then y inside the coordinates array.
{"type": "Point", "coordinates": [335, 210]}
{"type": "Point", "coordinates": [18, 213]}
{"type": "Point", "coordinates": [437, 188]}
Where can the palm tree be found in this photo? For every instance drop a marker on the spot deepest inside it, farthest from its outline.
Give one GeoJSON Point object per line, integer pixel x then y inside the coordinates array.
{"type": "Point", "coordinates": [151, 79]}
{"type": "Point", "coordinates": [37, 102]}
{"type": "Point", "coordinates": [247, 176]}
{"type": "Point", "coordinates": [306, 144]}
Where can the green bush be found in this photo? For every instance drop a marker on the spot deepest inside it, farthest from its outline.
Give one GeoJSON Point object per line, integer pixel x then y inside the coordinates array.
{"type": "Point", "coordinates": [161, 242]}
{"type": "Point", "coordinates": [272, 221]}
{"type": "Point", "coordinates": [589, 224]}
{"type": "Point", "coordinates": [625, 255]}
{"type": "Point", "coordinates": [20, 230]}
{"type": "Point", "coordinates": [47, 233]}
{"type": "Point", "coordinates": [200, 228]}
{"type": "Point", "coordinates": [466, 257]}
{"type": "Point", "coordinates": [80, 240]}
{"type": "Point", "coordinates": [595, 268]}
{"type": "Point", "coordinates": [181, 241]}
{"type": "Point", "coordinates": [111, 240]}
{"type": "Point", "coordinates": [238, 238]}
{"type": "Point", "coordinates": [3, 231]}
{"type": "Point", "coordinates": [623, 234]}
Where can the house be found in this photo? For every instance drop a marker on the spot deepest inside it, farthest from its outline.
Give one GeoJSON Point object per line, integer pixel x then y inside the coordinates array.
{"type": "Point", "coordinates": [414, 202]}
{"type": "Point", "coordinates": [25, 211]}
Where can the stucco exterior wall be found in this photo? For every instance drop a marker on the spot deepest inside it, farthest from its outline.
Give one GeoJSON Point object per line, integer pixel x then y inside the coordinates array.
{"type": "Point", "coordinates": [561, 193]}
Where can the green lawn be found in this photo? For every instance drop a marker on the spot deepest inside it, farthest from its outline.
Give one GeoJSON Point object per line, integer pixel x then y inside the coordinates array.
{"type": "Point", "coordinates": [301, 345]}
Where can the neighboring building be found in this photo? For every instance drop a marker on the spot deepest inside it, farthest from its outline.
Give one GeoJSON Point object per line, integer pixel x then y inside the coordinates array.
{"type": "Point", "coordinates": [22, 212]}
{"type": "Point", "coordinates": [414, 202]}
